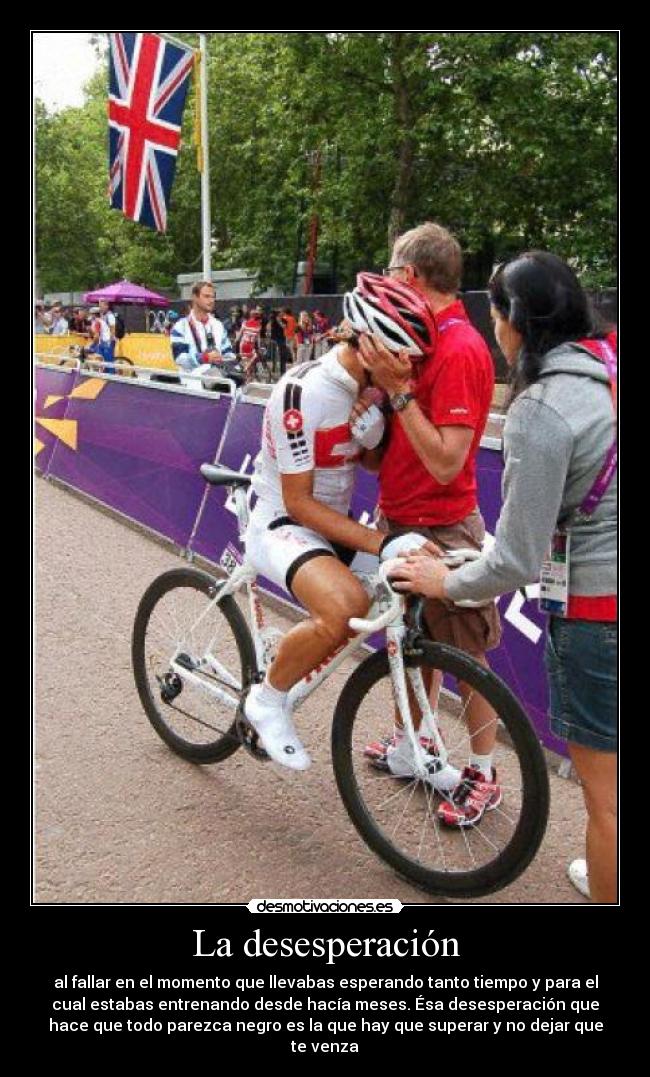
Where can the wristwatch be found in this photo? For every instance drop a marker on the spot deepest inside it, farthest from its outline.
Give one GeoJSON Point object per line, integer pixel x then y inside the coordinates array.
{"type": "Point", "coordinates": [400, 400]}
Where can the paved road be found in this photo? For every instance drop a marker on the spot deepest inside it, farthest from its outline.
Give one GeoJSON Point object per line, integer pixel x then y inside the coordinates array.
{"type": "Point", "coordinates": [121, 820]}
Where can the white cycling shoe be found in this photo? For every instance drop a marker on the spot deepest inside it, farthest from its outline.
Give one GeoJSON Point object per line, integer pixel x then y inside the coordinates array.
{"type": "Point", "coordinates": [577, 872]}
{"type": "Point", "coordinates": [401, 763]}
{"type": "Point", "coordinates": [277, 733]}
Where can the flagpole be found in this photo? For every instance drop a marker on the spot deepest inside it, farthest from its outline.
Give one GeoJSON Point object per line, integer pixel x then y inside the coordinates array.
{"type": "Point", "coordinates": [203, 146]}
{"type": "Point", "coordinates": [205, 173]}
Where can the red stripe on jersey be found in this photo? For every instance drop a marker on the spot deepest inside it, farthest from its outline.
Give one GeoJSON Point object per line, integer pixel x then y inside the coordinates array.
{"type": "Point", "coordinates": [337, 438]}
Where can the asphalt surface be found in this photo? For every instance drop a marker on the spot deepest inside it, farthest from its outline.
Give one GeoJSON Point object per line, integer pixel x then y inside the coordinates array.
{"type": "Point", "coordinates": [120, 819]}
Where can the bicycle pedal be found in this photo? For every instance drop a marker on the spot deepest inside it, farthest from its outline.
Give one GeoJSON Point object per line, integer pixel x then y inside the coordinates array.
{"type": "Point", "coordinates": [249, 738]}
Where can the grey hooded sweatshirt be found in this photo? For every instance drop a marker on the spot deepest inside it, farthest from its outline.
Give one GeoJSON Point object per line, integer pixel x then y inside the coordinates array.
{"type": "Point", "coordinates": [555, 440]}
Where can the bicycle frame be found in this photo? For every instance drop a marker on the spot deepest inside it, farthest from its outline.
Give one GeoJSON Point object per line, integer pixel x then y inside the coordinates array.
{"type": "Point", "coordinates": [387, 611]}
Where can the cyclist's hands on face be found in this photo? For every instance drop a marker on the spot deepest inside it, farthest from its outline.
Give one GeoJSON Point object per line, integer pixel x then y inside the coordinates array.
{"type": "Point", "coordinates": [363, 404]}
{"type": "Point", "coordinates": [392, 373]}
{"type": "Point", "coordinates": [421, 574]}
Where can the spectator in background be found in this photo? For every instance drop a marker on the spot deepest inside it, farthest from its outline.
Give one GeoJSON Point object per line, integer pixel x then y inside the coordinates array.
{"type": "Point", "coordinates": [304, 338]}
{"type": "Point", "coordinates": [94, 331]}
{"type": "Point", "coordinates": [60, 326]}
{"type": "Point", "coordinates": [237, 319]}
{"type": "Point", "coordinates": [321, 323]}
{"type": "Point", "coordinates": [321, 329]}
{"type": "Point", "coordinates": [79, 322]}
{"type": "Point", "coordinates": [39, 323]}
{"type": "Point", "coordinates": [199, 342]}
{"type": "Point", "coordinates": [289, 325]}
{"type": "Point", "coordinates": [275, 333]}
{"type": "Point", "coordinates": [107, 339]}
{"type": "Point", "coordinates": [249, 340]}
{"type": "Point", "coordinates": [170, 321]}
{"type": "Point", "coordinates": [232, 323]}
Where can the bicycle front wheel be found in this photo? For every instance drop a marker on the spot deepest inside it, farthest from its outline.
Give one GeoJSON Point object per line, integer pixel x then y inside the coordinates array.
{"type": "Point", "coordinates": [401, 818]}
{"type": "Point", "coordinates": [192, 658]}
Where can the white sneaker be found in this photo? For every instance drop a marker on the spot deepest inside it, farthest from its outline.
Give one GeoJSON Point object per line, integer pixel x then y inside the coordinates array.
{"type": "Point", "coordinates": [400, 762]}
{"type": "Point", "coordinates": [277, 733]}
{"type": "Point", "coordinates": [577, 872]}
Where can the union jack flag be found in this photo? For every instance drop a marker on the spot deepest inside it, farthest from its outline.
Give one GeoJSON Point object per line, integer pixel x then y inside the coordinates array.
{"type": "Point", "coordinates": [149, 79]}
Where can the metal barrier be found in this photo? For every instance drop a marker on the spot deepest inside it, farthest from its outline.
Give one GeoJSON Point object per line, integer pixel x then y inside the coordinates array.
{"type": "Point", "coordinates": [162, 378]}
{"type": "Point", "coordinates": [55, 359]}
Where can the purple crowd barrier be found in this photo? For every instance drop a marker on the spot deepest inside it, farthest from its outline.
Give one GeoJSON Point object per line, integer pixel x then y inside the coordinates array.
{"type": "Point", "coordinates": [217, 526]}
{"type": "Point", "coordinates": [139, 448]}
{"type": "Point", "coordinates": [53, 387]}
{"type": "Point", "coordinates": [519, 660]}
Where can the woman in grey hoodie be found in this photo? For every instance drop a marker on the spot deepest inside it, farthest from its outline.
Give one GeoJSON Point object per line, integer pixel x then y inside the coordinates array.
{"type": "Point", "coordinates": [560, 479]}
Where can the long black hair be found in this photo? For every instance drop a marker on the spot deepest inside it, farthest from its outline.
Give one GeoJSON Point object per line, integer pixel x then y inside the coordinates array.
{"type": "Point", "coordinates": [542, 298]}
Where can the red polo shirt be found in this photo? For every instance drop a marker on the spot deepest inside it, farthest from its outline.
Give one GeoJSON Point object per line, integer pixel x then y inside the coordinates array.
{"type": "Point", "coordinates": [453, 387]}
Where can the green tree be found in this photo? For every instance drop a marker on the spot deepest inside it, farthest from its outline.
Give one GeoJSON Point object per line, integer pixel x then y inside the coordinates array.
{"type": "Point", "coordinates": [507, 137]}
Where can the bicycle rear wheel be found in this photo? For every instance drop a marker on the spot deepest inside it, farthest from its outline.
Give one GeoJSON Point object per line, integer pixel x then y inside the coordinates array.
{"type": "Point", "coordinates": [398, 817]}
{"type": "Point", "coordinates": [184, 644]}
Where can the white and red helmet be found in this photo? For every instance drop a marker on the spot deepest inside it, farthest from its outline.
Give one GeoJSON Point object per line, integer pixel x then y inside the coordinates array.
{"type": "Point", "coordinates": [394, 312]}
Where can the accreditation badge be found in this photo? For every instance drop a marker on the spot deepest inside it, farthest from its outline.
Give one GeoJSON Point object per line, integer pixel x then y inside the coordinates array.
{"type": "Point", "coordinates": [554, 577]}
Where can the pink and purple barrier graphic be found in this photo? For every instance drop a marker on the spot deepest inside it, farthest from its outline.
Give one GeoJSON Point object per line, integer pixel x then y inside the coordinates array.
{"type": "Point", "coordinates": [53, 388]}
{"type": "Point", "coordinates": [138, 449]}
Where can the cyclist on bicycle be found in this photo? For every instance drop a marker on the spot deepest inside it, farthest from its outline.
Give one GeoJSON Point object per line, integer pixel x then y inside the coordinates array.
{"type": "Point", "coordinates": [301, 536]}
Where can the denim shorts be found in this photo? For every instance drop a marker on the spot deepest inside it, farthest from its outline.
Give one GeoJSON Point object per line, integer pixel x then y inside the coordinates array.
{"type": "Point", "coordinates": [582, 665]}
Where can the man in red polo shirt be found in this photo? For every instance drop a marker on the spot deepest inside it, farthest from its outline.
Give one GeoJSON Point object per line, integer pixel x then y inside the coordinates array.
{"type": "Point", "coordinates": [427, 482]}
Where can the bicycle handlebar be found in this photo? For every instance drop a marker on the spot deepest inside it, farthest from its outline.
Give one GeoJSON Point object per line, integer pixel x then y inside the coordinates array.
{"type": "Point", "coordinates": [359, 624]}
{"type": "Point", "coordinates": [452, 559]}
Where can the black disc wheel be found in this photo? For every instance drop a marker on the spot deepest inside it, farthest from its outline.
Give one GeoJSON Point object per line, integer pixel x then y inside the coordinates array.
{"type": "Point", "coordinates": [406, 820]}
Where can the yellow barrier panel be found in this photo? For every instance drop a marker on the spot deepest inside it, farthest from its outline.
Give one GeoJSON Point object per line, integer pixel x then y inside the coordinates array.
{"type": "Point", "coordinates": [151, 350]}
{"type": "Point", "coordinates": [147, 349]}
{"type": "Point", "coordinates": [55, 349]}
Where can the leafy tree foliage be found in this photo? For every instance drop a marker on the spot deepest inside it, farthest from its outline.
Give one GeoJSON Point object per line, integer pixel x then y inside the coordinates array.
{"type": "Point", "coordinates": [507, 137]}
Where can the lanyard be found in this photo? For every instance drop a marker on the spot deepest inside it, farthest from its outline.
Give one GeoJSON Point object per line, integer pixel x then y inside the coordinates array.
{"type": "Point", "coordinates": [449, 321]}
{"type": "Point", "coordinates": [606, 473]}
{"type": "Point", "coordinates": [209, 338]}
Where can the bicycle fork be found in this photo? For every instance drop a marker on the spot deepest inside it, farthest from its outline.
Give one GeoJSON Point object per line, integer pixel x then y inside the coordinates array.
{"type": "Point", "coordinates": [396, 636]}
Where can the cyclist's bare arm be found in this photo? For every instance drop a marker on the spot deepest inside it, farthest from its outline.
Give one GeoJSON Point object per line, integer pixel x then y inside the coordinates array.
{"type": "Point", "coordinates": [297, 494]}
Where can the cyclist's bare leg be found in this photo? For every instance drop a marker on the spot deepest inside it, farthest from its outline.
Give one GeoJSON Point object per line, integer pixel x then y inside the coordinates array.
{"type": "Point", "coordinates": [331, 594]}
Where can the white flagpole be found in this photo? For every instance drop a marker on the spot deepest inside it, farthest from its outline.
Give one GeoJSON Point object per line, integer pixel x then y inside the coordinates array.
{"type": "Point", "coordinates": [205, 175]}
{"type": "Point", "coordinates": [206, 221]}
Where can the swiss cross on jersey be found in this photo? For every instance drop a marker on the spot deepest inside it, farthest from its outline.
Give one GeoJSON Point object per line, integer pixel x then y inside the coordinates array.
{"type": "Point", "coordinates": [149, 79]}
{"type": "Point", "coordinates": [292, 421]}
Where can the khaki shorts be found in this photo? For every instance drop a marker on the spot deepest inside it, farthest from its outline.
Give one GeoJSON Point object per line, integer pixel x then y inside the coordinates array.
{"type": "Point", "coordinates": [472, 630]}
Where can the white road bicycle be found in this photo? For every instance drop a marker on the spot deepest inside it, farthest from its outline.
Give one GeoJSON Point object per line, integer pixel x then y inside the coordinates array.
{"type": "Point", "coordinates": [196, 655]}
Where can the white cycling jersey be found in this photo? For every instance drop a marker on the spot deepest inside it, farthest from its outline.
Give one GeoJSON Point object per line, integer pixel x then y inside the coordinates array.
{"type": "Point", "coordinates": [306, 428]}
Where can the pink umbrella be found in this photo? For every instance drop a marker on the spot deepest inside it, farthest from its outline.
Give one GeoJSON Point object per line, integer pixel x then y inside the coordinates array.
{"type": "Point", "coordinates": [125, 292]}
